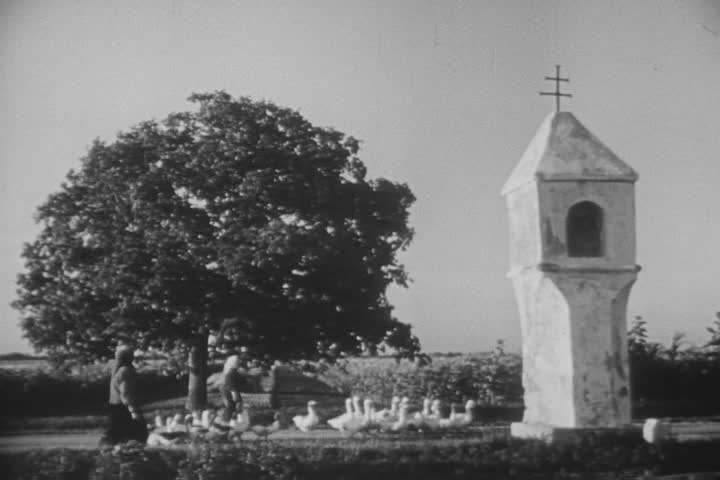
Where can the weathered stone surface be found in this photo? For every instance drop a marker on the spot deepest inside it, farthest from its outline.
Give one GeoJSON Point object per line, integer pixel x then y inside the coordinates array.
{"type": "Point", "coordinates": [572, 308]}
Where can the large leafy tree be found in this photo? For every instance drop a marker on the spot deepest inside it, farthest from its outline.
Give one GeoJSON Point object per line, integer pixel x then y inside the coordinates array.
{"type": "Point", "coordinates": [238, 213]}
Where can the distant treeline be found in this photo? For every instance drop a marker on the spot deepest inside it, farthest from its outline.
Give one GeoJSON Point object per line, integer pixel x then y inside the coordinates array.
{"type": "Point", "coordinates": [14, 356]}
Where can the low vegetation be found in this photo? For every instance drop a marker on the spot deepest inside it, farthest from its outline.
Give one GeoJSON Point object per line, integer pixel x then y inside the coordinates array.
{"type": "Point", "coordinates": [674, 380]}
{"type": "Point", "coordinates": [619, 456]}
{"type": "Point", "coordinates": [666, 381]}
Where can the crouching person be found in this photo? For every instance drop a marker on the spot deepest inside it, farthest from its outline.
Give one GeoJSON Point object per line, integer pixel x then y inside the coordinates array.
{"type": "Point", "coordinates": [125, 421]}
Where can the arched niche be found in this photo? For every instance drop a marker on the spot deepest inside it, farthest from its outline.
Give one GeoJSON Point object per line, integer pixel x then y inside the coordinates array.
{"type": "Point", "coordinates": [585, 230]}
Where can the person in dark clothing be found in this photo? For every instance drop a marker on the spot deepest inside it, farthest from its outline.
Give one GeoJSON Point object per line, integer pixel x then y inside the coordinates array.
{"type": "Point", "coordinates": [125, 421]}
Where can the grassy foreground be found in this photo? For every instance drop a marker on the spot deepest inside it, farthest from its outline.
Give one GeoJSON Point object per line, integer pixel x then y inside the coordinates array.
{"type": "Point", "coordinates": [618, 456]}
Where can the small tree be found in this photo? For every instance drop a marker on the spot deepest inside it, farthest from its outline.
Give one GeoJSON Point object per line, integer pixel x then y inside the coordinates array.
{"type": "Point", "coordinates": [714, 343]}
{"type": "Point", "coordinates": [240, 210]}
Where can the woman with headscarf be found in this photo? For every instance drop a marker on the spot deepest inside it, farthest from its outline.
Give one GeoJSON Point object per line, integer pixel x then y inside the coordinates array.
{"type": "Point", "coordinates": [231, 384]}
{"type": "Point", "coordinates": [125, 419]}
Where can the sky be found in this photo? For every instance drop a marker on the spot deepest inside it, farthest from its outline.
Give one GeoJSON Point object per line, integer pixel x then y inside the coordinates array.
{"type": "Point", "coordinates": [443, 95]}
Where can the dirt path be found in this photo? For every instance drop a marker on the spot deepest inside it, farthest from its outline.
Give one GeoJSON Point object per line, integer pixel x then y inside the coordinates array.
{"type": "Point", "coordinates": [88, 440]}
{"type": "Point", "coordinates": [31, 441]}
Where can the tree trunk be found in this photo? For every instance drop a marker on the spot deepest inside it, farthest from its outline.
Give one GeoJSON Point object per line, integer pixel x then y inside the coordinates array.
{"type": "Point", "coordinates": [197, 366]}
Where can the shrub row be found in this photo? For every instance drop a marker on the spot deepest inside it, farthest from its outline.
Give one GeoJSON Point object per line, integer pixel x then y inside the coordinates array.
{"type": "Point", "coordinates": [601, 458]}
{"type": "Point", "coordinates": [51, 392]}
{"type": "Point", "coordinates": [493, 378]}
{"type": "Point", "coordinates": [683, 385]}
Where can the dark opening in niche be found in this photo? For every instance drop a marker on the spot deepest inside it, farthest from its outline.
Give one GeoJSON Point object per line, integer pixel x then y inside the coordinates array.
{"type": "Point", "coordinates": [585, 230]}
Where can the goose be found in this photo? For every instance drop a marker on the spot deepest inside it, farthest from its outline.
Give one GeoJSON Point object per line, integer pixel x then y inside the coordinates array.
{"type": "Point", "coordinates": [155, 439]}
{"type": "Point", "coordinates": [461, 419]}
{"type": "Point", "coordinates": [370, 413]}
{"type": "Point", "coordinates": [469, 412]}
{"type": "Point", "coordinates": [435, 407]}
{"type": "Point", "coordinates": [388, 414]}
{"type": "Point", "coordinates": [265, 432]}
{"type": "Point", "coordinates": [360, 424]}
{"type": "Point", "coordinates": [188, 421]}
{"type": "Point", "coordinates": [195, 424]}
{"type": "Point", "coordinates": [167, 432]}
{"type": "Point", "coordinates": [159, 424]}
{"type": "Point", "coordinates": [307, 422]}
{"type": "Point", "coordinates": [402, 421]}
{"type": "Point", "coordinates": [176, 424]}
{"type": "Point", "coordinates": [241, 422]}
{"type": "Point", "coordinates": [338, 421]}
{"type": "Point", "coordinates": [196, 419]}
{"type": "Point", "coordinates": [387, 418]}
{"type": "Point", "coordinates": [206, 418]}
{"type": "Point", "coordinates": [357, 409]}
{"type": "Point", "coordinates": [432, 419]}
{"type": "Point", "coordinates": [419, 416]}
{"type": "Point", "coordinates": [453, 420]}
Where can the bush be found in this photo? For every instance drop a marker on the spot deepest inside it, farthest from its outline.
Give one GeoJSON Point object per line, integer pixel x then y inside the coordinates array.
{"type": "Point", "coordinates": [493, 378]}
{"type": "Point", "coordinates": [673, 380]}
{"type": "Point", "coordinates": [606, 457]}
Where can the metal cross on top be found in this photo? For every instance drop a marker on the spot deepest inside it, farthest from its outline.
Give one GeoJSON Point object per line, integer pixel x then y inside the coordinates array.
{"type": "Point", "coordinates": [557, 93]}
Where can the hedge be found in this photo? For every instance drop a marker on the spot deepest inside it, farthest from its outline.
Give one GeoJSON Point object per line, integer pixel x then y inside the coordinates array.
{"type": "Point", "coordinates": [619, 456]}
{"type": "Point", "coordinates": [50, 392]}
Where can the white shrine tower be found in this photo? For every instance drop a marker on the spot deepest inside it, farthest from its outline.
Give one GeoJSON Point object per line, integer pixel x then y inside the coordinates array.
{"type": "Point", "coordinates": [571, 203]}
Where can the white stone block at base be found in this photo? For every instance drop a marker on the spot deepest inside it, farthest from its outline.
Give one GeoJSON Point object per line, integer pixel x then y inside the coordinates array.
{"type": "Point", "coordinates": [534, 431]}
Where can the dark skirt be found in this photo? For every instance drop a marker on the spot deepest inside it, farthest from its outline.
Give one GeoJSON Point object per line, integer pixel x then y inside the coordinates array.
{"type": "Point", "coordinates": [231, 408]}
{"type": "Point", "coordinates": [122, 427]}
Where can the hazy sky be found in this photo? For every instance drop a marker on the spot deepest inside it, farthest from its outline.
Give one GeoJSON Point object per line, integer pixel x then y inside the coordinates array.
{"type": "Point", "coordinates": [444, 96]}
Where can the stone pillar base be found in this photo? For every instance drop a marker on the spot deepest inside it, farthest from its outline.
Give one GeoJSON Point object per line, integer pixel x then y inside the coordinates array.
{"type": "Point", "coordinates": [552, 434]}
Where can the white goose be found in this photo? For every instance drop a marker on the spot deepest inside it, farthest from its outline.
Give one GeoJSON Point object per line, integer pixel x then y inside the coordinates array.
{"type": "Point", "coordinates": [307, 422]}
{"type": "Point", "coordinates": [435, 409]}
{"type": "Point", "coordinates": [457, 420]}
{"type": "Point", "coordinates": [241, 423]}
{"type": "Point", "coordinates": [156, 439]}
{"type": "Point", "coordinates": [402, 421]}
{"type": "Point", "coordinates": [469, 416]}
{"type": "Point", "coordinates": [195, 424]}
{"type": "Point", "coordinates": [433, 419]}
{"type": "Point", "coordinates": [338, 421]}
{"type": "Point", "coordinates": [420, 416]}
{"type": "Point", "coordinates": [206, 418]}
{"type": "Point", "coordinates": [159, 424]}
{"type": "Point", "coordinates": [189, 420]}
{"type": "Point", "coordinates": [357, 409]}
{"type": "Point", "coordinates": [360, 424]}
{"type": "Point", "coordinates": [388, 414]}
{"type": "Point", "coordinates": [167, 432]}
{"type": "Point", "coordinates": [453, 420]}
{"type": "Point", "coordinates": [176, 424]}
{"type": "Point", "coordinates": [386, 419]}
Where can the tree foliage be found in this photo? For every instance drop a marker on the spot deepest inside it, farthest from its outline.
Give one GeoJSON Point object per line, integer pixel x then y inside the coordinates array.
{"type": "Point", "coordinates": [239, 209]}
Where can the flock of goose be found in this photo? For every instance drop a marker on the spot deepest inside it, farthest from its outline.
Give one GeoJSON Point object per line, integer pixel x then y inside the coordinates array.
{"type": "Point", "coordinates": [172, 429]}
{"type": "Point", "coordinates": [358, 417]}
{"type": "Point", "coordinates": [365, 417]}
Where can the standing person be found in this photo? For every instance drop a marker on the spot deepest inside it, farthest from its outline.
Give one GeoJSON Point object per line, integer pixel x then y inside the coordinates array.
{"type": "Point", "coordinates": [125, 419]}
{"type": "Point", "coordinates": [232, 383]}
